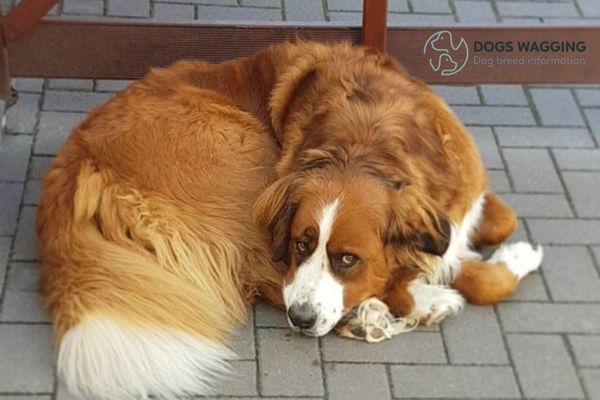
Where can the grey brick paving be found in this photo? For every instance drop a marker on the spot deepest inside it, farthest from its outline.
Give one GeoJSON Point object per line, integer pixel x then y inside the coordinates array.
{"type": "Point", "coordinates": [540, 145]}
{"type": "Point", "coordinates": [242, 382]}
{"type": "Point", "coordinates": [27, 359]}
{"type": "Point", "coordinates": [215, 13]}
{"type": "Point", "coordinates": [539, 205]}
{"type": "Point", "coordinates": [453, 382]}
{"type": "Point", "coordinates": [243, 340]}
{"type": "Point", "coordinates": [408, 349]}
{"type": "Point", "coordinates": [581, 283]}
{"type": "Point", "coordinates": [10, 196]}
{"type": "Point", "coordinates": [75, 84]}
{"type": "Point", "coordinates": [32, 193]}
{"type": "Point", "coordinates": [54, 130]}
{"type": "Point", "coordinates": [128, 8]}
{"type": "Point", "coordinates": [83, 7]}
{"type": "Point", "coordinates": [112, 85]}
{"type": "Point", "coordinates": [60, 100]}
{"type": "Point", "coordinates": [23, 116]}
{"type": "Point", "coordinates": [174, 12]}
{"type": "Point", "coordinates": [534, 9]}
{"type": "Point", "coordinates": [14, 157]}
{"type": "Point", "coordinates": [479, 12]}
{"type": "Point", "coordinates": [589, 8]}
{"type": "Point", "coordinates": [456, 95]}
{"type": "Point", "coordinates": [25, 247]}
{"type": "Point", "coordinates": [593, 117]}
{"type": "Point", "coordinates": [588, 97]}
{"type": "Point", "coordinates": [591, 381]}
{"type": "Point", "coordinates": [532, 170]}
{"type": "Point", "coordinates": [531, 288]}
{"type": "Point", "coordinates": [584, 188]}
{"type": "Point", "coordinates": [547, 101]}
{"type": "Point", "coordinates": [279, 376]}
{"type": "Point", "coordinates": [586, 349]}
{"type": "Point", "coordinates": [577, 159]}
{"type": "Point", "coordinates": [550, 317]}
{"type": "Point", "coordinates": [542, 137]}
{"type": "Point", "coordinates": [21, 298]}
{"type": "Point", "coordinates": [307, 10]}
{"type": "Point", "coordinates": [4, 253]}
{"type": "Point", "coordinates": [544, 367]}
{"type": "Point", "coordinates": [352, 381]}
{"type": "Point", "coordinates": [420, 20]}
{"type": "Point", "coordinates": [475, 337]}
{"type": "Point", "coordinates": [493, 115]}
{"type": "Point", "coordinates": [39, 166]}
{"type": "Point", "coordinates": [499, 181]}
{"type": "Point", "coordinates": [565, 231]}
{"type": "Point", "coordinates": [262, 3]}
{"type": "Point", "coordinates": [431, 6]}
{"type": "Point", "coordinates": [503, 95]}
{"type": "Point", "coordinates": [35, 85]}
{"type": "Point", "coordinates": [269, 316]}
{"type": "Point", "coordinates": [356, 5]}
{"type": "Point", "coordinates": [484, 137]}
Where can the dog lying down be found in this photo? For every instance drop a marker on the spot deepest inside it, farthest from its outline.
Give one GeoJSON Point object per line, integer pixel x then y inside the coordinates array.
{"type": "Point", "coordinates": [322, 178]}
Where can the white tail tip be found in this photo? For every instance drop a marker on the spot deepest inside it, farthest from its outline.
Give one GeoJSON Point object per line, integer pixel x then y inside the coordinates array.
{"type": "Point", "coordinates": [101, 358]}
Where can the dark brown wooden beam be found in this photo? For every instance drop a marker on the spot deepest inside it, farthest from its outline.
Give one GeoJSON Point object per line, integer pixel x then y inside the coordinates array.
{"type": "Point", "coordinates": [24, 15]}
{"type": "Point", "coordinates": [126, 49]}
{"type": "Point", "coordinates": [374, 24]}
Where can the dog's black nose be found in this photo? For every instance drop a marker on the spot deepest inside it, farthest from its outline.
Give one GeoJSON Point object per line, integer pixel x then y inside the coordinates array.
{"type": "Point", "coordinates": [302, 316]}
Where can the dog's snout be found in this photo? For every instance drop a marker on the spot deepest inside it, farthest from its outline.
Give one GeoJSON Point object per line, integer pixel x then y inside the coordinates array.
{"type": "Point", "coordinates": [302, 316]}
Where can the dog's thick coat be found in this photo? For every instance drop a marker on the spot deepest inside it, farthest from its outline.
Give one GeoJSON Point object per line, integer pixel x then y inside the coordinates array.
{"type": "Point", "coordinates": [150, 251]}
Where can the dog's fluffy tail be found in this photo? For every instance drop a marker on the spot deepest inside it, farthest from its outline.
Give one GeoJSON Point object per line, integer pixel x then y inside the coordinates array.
{"type": "Point", "coordinates": [141, 301]}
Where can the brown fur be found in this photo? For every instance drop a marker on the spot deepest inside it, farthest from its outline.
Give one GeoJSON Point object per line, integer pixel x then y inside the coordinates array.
{"type": "Point", "coordinates": [146, 214]}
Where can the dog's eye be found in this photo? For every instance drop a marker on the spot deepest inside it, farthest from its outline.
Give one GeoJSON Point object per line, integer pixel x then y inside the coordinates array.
{"type": "Point", "coordinates": [342, 262]}
{"type": "Point", "coordinates": [302, 245]}
{"type": "Point", "coordinates": [348, 259]}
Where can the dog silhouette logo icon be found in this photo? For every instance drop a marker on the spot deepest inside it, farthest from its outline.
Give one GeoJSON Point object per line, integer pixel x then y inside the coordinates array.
{"type": "Point", "coordinates": [447, 56]}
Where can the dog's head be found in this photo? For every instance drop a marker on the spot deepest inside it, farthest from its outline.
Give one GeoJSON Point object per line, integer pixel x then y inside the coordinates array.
{"type": "Point", "coordinates": [344, 229]}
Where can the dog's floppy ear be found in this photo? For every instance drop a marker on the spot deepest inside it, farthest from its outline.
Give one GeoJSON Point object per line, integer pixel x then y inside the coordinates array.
{"type": "Point", "coordinates": [274, 211]}
{"type": "Point", "coordinates": [417, 222]}
{"type": "Point", "coordinates": [288, 90]}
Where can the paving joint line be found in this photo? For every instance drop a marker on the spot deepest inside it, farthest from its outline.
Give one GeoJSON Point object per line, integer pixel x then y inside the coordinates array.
{"type": "Point", "coordinates": [561, 178]}
{"type": "Point", "coordinates": [586, 121]}
{"type": "Point", "coordinates": [540, 270]}
{"type": "Point", "coordinates": [508, 352]}
{"type": "Point", "coordinates": [571, 352]}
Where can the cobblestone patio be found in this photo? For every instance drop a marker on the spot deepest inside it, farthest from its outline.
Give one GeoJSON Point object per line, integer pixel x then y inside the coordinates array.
{"type": "Point", "coordinates": [540, 145]}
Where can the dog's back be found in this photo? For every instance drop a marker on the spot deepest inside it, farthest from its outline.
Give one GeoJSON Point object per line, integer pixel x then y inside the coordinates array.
{"type": "Point", "coordinates": [144, 227]}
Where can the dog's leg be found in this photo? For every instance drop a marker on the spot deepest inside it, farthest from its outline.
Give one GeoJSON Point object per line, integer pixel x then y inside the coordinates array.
{"type": "Point", "coordinates": [497, 223]}
{"type": "Point", "coordinates": [493, 280]}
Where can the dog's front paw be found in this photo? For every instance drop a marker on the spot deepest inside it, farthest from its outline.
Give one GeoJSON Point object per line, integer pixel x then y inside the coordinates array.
{"type": "Point", "coordinates": [373, 323]}
{"type": "Point", "coordinates": [433, 303]}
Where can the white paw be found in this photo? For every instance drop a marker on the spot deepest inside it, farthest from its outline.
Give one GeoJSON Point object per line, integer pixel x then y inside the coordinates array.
{"type": "Point", "coordinates": [521, 257]}
{"type": "Point", "coordinates": [374, 323]}
{"type": "Point", "coordinates": [433, 303]}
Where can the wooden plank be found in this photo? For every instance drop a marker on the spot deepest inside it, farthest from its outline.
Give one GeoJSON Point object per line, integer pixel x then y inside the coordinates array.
{"type": "Point", "coordinates": [126, 49]}
{"type": "Point", "coordinates": [120, 49]}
